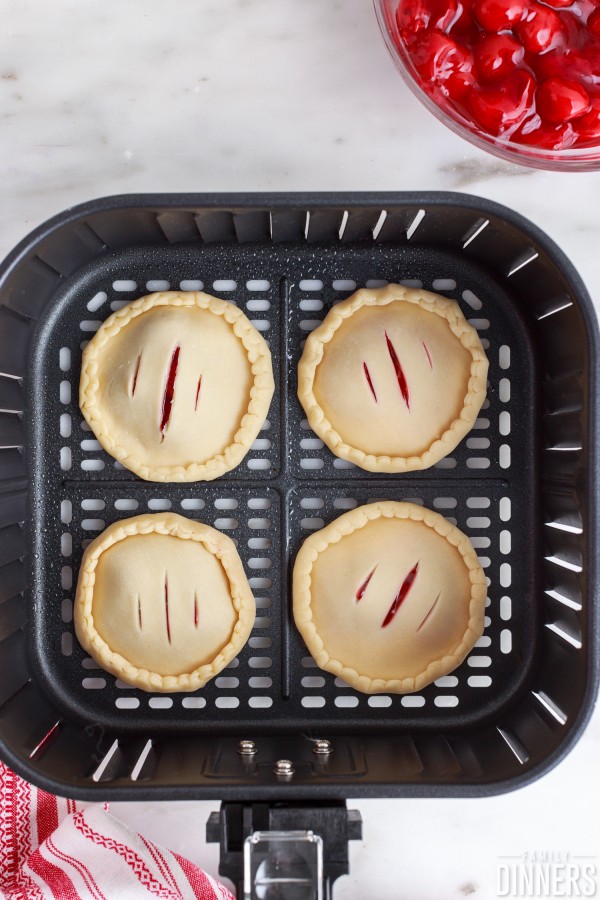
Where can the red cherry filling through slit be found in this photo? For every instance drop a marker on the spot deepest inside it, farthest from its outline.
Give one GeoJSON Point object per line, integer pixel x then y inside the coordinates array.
{"type": "Point", "coordinates": [427, 354]}
{"type": "Point", "coordinates": [168, 394]}
{"type": "Point", "coordinates": [198, 393]}
{"type": "Point", "coordinates": [401, 595]}
{"type": "Point", "coordinates": [135, 375]}
{"type": "Point", "coordinates": [400, 376]}
{"type": "Point", "coordinates": [369, 381]}
{"type": "Point", "coordinates": [521, 70]}
{"type": "Point", "coordinates": [361, 590]}
{"type": "Point", "coordinates": [167, 609]}
{"type": "Point", "coordinates": [195, 611]}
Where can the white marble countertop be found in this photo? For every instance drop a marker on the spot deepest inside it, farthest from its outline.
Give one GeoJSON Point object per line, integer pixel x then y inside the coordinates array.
{"type": "Point", "coordinates": [280, 95]}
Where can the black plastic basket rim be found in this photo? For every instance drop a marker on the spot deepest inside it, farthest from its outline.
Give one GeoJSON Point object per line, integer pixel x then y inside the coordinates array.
{"type": "Point", "coordinates": [340, 200]}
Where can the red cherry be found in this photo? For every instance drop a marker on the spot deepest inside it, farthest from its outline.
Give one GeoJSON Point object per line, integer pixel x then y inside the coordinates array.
{"type": "Point", "coordinates": [436, 57]}
{"type": "Point", "coordinates": [558, 4]}
{"type": "Point", "coordinates": [458, 85]}
{"type": "Point", "coordinates": [413, 17]}
{"type": "Point", "coordinates": [496, 109]}
{"type": "Point", "coordinates": [588, 125]}
{"type": "Point", "coordinates": [570, 64]}
{"type": "Point", "coordinates": [560, 101]}
{"type": "Point", "coordinates": [497, 55]}
{"type": "Point", "coordinates": [540, 30]}
{"type": "Point", "coordinates": [535, 133]}
{"type": "Point", "coordinates": [499, 15]}
{"type": "Point", "coordinates": [593, 23]}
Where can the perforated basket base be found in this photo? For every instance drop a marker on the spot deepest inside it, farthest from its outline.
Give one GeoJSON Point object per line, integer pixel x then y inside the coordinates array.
{"type": "Point", "coordinates": [288, 486]}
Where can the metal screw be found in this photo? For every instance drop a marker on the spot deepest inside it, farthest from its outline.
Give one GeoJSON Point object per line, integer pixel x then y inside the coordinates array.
{"type": "Point", "coordinates": [284, 768]}
{"type": "Point", "coordinates": [246, 748]}
{"type": "Point", "coordinates": [322, 747]}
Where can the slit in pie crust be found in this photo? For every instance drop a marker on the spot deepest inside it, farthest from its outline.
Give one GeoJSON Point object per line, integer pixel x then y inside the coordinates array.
{"type": "Point", "coordinates": [176, 386]}
{"type": "Point", "coordinates": [393, 378]}
{"type": "Point", "coordinates": [389, 597]}
{"type": "Point", "coordinates": [163, 602]}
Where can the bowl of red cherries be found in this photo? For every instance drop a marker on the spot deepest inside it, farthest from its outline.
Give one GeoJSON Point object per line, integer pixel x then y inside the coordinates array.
{"type": "Point", "coordinates": [520, 78]}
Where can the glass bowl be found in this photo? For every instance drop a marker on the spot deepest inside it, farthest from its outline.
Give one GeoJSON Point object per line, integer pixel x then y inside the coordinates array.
{"type": "Point", "coordinates": [584, 158]}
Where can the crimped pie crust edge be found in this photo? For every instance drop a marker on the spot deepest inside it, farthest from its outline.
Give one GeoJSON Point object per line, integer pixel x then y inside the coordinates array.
{"type": "Point", "coordinates": [260, 397]}
{"type": "Point", "coordinates": [186, 529]}
{"type": "Point", "coordinates": [348, 523]}
{"type": "Point", "coordinates": [313, 354]}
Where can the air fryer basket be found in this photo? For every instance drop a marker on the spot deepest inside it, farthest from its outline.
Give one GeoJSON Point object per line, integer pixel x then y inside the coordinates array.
{"type": "Point", "coordinates": [522, 485]}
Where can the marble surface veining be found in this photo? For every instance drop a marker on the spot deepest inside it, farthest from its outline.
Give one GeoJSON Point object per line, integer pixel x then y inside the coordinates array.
{"type": "Point", "coordinates": [113, 97]}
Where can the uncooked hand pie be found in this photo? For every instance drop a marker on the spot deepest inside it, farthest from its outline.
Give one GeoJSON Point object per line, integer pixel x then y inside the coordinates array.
{"type": "Point", "coordinates": [389, 597]}
{"type": "Point", "coordinates": [163, 602]}
{"type": "Point", "coordinates": [393, 378]}
{"type": "Point", "coordinates": [176, 386]}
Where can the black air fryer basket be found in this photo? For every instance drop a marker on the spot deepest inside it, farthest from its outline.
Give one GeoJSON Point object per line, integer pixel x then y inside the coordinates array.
{"type": "Point", "coordinates": [522, 485]}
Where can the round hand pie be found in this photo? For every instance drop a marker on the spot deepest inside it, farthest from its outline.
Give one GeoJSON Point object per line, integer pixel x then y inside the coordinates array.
{"type": "Point", "coordinates": [393, 378]}
{"type": "Point", "coordinates": [163, 602]}
{"type": "Point", "coordinates": [389, 597]}
{"type": "Point", "coordinates": [176, 386]}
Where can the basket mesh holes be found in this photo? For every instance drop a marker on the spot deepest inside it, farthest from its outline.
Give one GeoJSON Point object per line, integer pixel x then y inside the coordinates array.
{"type": "Point", "coordinates": [160, 703]}
{"type": "Point", "coordinates": [376, 283]}
{"type": "Point", "coordinates": [93, 505]}
{"type": "Point", "coordinates": [479, 681]}
{"type": "Point", "coordinates": [380, 701]}
{"type": "Point", "coordinates": [126, 503]}
{"type": "Point", "coordinates": [309, 324]}
{"type": "Point", "coordinates": [443, 284]}
{"type": "Point", "coordinates": [116, 305]}
{"type": "Point", "coordinates": [504, 390]}
{"type": "Point", "coordinates": [193, 702]}
{"type": "Point", "coordinates": [64, 359]}
{"type": "Point", "coordinates": [263, 603]}
{"type": "Point", "coordinates": [66, 643]}
{"type": "Point", "coordinates": [504, 356]}
{"type": "Point", "coordinates": [66, 511]}
{"type": "Point", "coordinates": [478, 462]}
{"type": "Point", "coordinates": [157, 503]}
{"type": "Point", "coordinates": [192, 503]}
{"type": "Point", "coordinates": [93, 524]}
{"type": "Point", "coordinates": [447, 681]}
{"type": "Point", "coordinates": [258, 284]}
{"type": "Point", "coordinates": [412, 283]}
{"type": "Point", "coordinates": [259, 543]}
{"type": "Point", "coordinates": [343, 284]}
{"type": "Point", "coordinates": [92, 465]}
{"type": "Point", "coordinates": [311, 463]}
{"type": "Point", "coordinates": [413, 701]}
{"type": "Point", "coordinates": [127, 702]}
{"type": "Point", "coordinates": [260, 583]}
{"type": "Point", "coordinates": [445, 502]}
{"type": "Point", "coordinates": [505, 509]}
{"type": "Point", "coordinates": [260, 682]}
{"type": "Point", "coordinates": [227, 702]}
{"type": "Point", "coordinates": [97, 301]}
{"type": "Point", "coordinates": [65, 427]}
{"type": "Point", "coordinates": [191, 285]}
{"type": "Point", "coordinates": [505, 641]}
{"type": "Point", "coordinates": [346, 702]}
{"type": "Point", "coordinates": [343, 464]}
{"type": "Point", "coordinates": [258, 305]}
{"type": "Point", "coordinates": [66, 544]}
{"type": "Point", "coordinates": [224, 284]}
{"type": "Point", "coordinates": [90, 444]}
{"type": "Point", "coordinates": [259, 464]}
{"type": "Point", "coordinates": [224, 524]}
{"type": "Point", "coordinates": [478, 502]}
{"type": "Point", "coordinates": [89, 663]}
{"type": "Point", "coordinates": [311, 524]}
{"type": "Point", "coordinates": [504, 423]}
{"type": "Point", "coordinates": [157, 284]}
{"type": "Point", "coordinates": [311, 702]}
{"type": "Point", "coordinates": [65, 392]}
{"type": "Point", "coordinates": [472, 300]}
{"type": "Point", "coordinates": [448, 462]}
{"type": "Point", "coordinates": [90, 325]}
{"type": "Point", "coordinates": [446, 700]}
{"type": "Point", "coordinates": [66, 611]}
{"type": "Point", "coordinates": [345, 503]}
{"type": "Point", "coordinates": [311, 305]}
{"type": "Point", "coordinates": [93, 684]}
{"type": "Point", "coordinates": [124, 285]}
{"type": "Point", "coordinates": [66, 578]}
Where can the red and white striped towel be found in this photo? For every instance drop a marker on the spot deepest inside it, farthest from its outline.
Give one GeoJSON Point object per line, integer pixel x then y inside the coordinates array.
{"type": "Point", "coordinates": [62, 850]}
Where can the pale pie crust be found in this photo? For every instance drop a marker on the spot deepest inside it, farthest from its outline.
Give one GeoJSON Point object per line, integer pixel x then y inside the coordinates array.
{"type": "Point", "coordinates": [393, 378]}
{"type": "Point", "coordinates": [203, 423]}
{"type": "Point", "coordinates": [389, 597]}
{"type": "Point", "coordinates": [163, 602]}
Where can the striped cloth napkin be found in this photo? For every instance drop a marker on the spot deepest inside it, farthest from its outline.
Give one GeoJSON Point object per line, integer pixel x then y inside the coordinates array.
{"type": "Point", "coordinates": [58, 849]}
